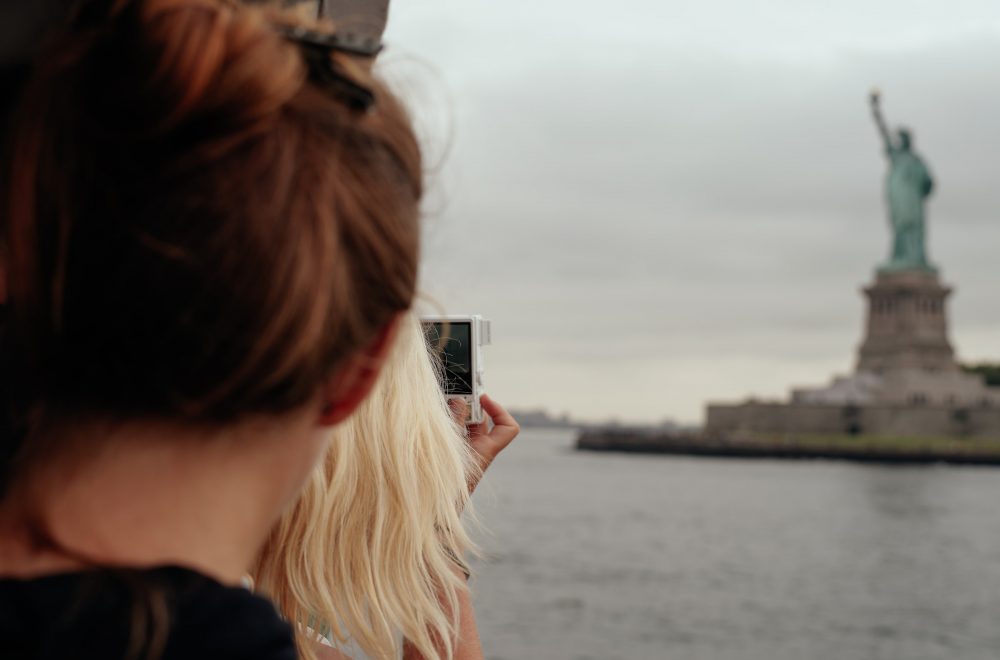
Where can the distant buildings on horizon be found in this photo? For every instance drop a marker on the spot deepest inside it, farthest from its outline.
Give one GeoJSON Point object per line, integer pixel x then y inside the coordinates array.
{"type": "Point", "coordinates": [539, 418]}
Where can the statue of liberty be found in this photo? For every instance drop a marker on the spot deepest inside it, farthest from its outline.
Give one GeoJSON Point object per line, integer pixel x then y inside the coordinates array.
{"type": "Point", "coordinates": [908, 184]}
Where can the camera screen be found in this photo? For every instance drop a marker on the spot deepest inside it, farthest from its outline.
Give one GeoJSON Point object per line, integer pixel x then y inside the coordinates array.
{"type": "Point", "coordinates": [453, 342]}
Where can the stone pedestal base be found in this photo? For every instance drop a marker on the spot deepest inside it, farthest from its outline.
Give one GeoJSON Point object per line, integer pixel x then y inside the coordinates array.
{"type": "Point", "coordinates": [907, 324]}
{"type": "Point", "coordinates": [907, 382]}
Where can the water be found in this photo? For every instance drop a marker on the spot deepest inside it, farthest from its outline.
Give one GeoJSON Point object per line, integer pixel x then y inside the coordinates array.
{"type": "Point", "coordinates": [620, 556]}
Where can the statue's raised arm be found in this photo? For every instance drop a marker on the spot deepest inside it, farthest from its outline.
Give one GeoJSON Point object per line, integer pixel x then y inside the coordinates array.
{"type": "Point", "coordinates": [907, 186]}
{"type": "Point", "coordinates": [879, 120]}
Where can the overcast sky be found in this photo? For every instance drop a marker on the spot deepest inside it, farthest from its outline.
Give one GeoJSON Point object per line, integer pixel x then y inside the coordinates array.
{"type": "Point", "coordinates": [661, 203]}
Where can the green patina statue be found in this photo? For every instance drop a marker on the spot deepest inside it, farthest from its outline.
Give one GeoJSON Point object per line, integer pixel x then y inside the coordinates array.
{"type": "Point", "coordinates": [908, 184]}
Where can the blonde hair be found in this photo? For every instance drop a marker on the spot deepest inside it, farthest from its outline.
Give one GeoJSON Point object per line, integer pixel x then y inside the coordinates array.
{"type": "Point", "coordinates": [369, 551]}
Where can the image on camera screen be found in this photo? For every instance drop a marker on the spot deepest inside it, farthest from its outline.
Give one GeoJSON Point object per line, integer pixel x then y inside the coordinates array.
{"type": "Point", "coordinates": [453, 342]}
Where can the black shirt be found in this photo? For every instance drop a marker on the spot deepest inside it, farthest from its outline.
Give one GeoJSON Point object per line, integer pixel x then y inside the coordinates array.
{"type": "Point", "coordinates": [122, 614]}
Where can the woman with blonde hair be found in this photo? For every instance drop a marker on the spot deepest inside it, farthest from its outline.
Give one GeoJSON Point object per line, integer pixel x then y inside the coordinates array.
{"type": "Point", "coordinates": [208, 235]}
{"type": "Point", "coordinates": [371, 552]}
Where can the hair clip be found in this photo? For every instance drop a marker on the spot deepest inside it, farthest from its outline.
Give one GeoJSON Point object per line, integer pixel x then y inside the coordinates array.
{"type": "Point", "coordinates": [348, 42]}
{"type": "Point", "coordinates": [316, 48]}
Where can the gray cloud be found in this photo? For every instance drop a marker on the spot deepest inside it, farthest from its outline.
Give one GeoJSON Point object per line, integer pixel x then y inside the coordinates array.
{"type": "Point", "coordinates": [693, 217]}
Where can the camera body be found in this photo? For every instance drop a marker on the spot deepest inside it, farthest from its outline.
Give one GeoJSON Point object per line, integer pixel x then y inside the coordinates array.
{"type": "Point", "coordinates": [458, 340]}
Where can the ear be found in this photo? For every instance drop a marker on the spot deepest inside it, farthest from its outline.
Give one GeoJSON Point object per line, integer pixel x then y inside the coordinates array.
{"type": "Point", "coordinates": [345, 391]}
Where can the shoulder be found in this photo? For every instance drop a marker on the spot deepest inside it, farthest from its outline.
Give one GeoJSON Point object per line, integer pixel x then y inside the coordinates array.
{"type": "Point", "coordinates": [103, 613]}
{"type": "Point", "coordinates": [212, 620]}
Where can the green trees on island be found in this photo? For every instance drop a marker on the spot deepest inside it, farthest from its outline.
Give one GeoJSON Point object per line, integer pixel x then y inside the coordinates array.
{"type": "Point", "coordinates": [989, 370]}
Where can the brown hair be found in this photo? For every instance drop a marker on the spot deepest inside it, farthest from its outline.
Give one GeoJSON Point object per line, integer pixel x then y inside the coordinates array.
{"type": "Point", "coordinates": [191, 228]}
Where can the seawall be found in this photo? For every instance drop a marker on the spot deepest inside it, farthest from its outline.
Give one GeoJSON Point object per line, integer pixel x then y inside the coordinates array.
{"type": "Point", "coordinates": [868, 450]}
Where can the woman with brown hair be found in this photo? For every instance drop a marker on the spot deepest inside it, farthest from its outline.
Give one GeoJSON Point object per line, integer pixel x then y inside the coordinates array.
{"type": "Point", "coordinates": [209, 231]}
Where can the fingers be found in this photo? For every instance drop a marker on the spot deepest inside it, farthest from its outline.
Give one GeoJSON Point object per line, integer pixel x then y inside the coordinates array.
{"type": "Point", "coordinates": [488, 443]}
{"type": "Point", "coordinates": [498, 414]}
{"type": "Point", "coordinates": [459, 410]}
{"type": "Point", "coordinates": [478, 430]}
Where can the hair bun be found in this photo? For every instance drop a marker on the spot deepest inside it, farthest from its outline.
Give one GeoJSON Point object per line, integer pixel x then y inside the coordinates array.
{"type": "Point", "coordinates": [205, 67]}
{"type": "Point", "coordinates": [191, 227]}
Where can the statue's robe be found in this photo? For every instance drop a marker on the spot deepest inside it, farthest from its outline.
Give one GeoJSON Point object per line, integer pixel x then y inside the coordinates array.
{"type": "Point", "coordinates": [908, 184]}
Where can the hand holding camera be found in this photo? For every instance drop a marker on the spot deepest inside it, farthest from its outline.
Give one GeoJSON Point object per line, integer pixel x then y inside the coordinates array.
{"type": "Point", "coordinates": [489, 437]}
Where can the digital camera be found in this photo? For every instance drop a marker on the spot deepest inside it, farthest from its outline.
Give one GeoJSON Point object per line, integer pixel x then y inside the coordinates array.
{"type": "Point", "coordinates": [458, 342]}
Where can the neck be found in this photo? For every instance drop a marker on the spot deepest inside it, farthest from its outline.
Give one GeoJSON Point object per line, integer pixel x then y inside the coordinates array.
{"type": "Point", "coordinates": [147, 494]}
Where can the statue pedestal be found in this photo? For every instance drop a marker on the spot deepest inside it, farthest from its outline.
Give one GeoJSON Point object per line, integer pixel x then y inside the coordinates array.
{"type": "Point", "coordinates": [907, 382]}
{"type": "Point", "coordinates": [907, 324]}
